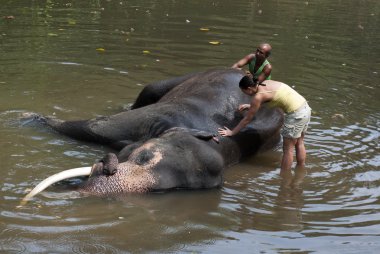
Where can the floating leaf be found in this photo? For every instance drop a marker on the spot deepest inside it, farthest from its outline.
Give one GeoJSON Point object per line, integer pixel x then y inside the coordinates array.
{"type": "Point", "coordinates": [205, 29]}
{"type": "Point", "coordinates": [338, 117]}
{"type": "Point", "coordinates": [146, 51]}
{"type": "Point", "coordinates": [100, 49]}
{"type": "Point", "coordinates": [9, 17]}
{"type": "Point", "coordinates": [215, 42]}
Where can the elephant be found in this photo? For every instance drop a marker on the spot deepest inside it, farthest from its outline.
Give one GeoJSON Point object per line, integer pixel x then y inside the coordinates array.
{"type": "Point", "coordinates": [168, 139]}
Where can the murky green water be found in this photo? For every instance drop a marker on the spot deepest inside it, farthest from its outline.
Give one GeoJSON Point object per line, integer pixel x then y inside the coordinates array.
{"type": "Point", "coordinates": [81, 60]}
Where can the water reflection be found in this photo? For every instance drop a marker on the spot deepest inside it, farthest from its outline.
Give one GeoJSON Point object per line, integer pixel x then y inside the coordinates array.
{"type": "Point", "coordinates": [290, 200]}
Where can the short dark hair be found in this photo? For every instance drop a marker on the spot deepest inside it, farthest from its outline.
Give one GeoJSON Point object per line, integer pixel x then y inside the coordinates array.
{"type": "Point", "coordinates": [247, 81]}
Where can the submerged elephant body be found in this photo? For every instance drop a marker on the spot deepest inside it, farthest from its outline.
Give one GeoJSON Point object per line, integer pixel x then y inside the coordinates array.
{"type": "Point", "coordinates": [167, 140]}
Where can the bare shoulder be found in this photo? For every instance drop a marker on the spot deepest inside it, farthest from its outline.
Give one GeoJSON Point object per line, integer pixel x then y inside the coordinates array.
{"type": "Point", "coordinates": [261, 95]}
{"type": "Point", "coordinates": [249, 57]}
{"type": "Point", "coordinates": [268, 67]}
{"type": "Point", "coordinates": [272, 84]}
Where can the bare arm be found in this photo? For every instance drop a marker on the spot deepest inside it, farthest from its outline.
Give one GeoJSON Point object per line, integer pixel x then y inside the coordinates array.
{"type": "Point", "coordinates": [254, 107]}
{"type": "Point", "coordinates": [266, 72]}
{"type": "Point", "coordinates": [243, 61]}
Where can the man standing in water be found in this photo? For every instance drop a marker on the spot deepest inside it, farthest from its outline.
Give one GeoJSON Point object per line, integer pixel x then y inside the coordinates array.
{"type": "Point", "coordinates": [259, 66]}
{"type": "Point", "coordinates": [297, 115]}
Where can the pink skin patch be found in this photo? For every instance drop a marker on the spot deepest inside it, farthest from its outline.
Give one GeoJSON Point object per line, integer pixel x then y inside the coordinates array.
{"type": "Point", "coordinates": [139, 178]}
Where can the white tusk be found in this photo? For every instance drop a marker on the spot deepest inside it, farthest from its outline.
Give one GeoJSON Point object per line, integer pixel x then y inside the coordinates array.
{"type": "Point", "coordinates": [74, 172]}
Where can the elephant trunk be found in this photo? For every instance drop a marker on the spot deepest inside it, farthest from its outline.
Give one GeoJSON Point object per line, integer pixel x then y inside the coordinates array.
{"type": "Point", "coordinates": [75, 172]}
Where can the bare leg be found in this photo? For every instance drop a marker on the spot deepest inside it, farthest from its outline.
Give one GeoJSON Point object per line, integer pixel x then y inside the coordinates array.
{"type": "Point", "coordinates": [287, 158]}
{"type": "Point", "coordinates": [301, 151]}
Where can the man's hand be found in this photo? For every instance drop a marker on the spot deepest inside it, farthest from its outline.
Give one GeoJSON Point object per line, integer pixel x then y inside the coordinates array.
{"type": "Point", "coordinates": [243, 107]}
{"type": "Point", "coordinates": [249, 74]}
{"type": "Point", "coordinates": [225, 132]}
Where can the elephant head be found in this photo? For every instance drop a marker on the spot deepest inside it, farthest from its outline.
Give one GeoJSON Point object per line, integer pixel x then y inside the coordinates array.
{"type": "Point", "coordinates": [179, 158]}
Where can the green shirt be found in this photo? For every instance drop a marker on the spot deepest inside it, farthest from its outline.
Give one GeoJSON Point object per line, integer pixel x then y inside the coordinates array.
{"type": "Point", "coordinates": [260, 70]}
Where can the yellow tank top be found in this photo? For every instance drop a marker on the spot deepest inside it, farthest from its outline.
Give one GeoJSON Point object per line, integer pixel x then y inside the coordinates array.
{"type": "Point", "coordinates": [286, 98]}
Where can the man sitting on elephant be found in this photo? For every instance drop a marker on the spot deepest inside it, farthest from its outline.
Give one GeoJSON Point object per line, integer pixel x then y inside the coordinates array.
{"type": "Point", "coordinates": [259, 66]}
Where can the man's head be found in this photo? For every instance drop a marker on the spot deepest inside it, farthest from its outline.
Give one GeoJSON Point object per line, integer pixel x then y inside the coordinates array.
{"type": "Point", "coordinates": [264, 50]}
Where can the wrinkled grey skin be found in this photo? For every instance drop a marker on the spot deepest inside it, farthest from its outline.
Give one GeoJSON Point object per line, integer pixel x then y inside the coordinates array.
{"type": "Point", "coordinates": [166, 140]}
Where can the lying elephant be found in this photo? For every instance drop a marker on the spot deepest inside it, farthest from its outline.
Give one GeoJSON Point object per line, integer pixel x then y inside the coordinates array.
{"type": "Point", "coordinates": [167, 140]}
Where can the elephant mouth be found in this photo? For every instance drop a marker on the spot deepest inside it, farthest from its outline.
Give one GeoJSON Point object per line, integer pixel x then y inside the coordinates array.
{"type": "Point", "coordinates": [106, 166]}
{"type": "Point", "coordinates": [139, 178]}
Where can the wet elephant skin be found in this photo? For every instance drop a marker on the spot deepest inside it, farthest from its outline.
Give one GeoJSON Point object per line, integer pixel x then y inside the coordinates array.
{"type": "Point", "coordinates": [169, 139]}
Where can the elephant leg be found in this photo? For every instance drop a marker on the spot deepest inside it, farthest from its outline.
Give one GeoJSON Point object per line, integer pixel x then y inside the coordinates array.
{"type": "Point", "coordinates": [79, 130]}
{"type": "Point", "coordinates": [74, 129]}
{"type": "Point", "coordinates": [155, 91]}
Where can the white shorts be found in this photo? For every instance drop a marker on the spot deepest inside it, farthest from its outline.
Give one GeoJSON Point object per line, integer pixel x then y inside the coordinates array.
{"type": "Point", "coordinates": [296, 123]}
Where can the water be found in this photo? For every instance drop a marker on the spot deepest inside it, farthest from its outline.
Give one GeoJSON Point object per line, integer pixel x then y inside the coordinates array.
{"type": "Point", "coordinates": [81, 60]}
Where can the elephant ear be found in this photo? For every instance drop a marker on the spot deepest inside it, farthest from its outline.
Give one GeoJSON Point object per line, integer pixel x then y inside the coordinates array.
{"type": "Point", "coordinates": [118, 145]}
{"type": "Point", "coordinates": [203, 135]}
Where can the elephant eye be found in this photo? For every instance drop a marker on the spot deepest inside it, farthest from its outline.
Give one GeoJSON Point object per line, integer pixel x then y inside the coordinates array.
{"type": "Point", "coordinates": [143, 157]}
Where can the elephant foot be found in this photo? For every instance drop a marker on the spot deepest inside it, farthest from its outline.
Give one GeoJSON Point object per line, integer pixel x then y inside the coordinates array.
{"type": "Point", "coordinates": [26, 118]}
